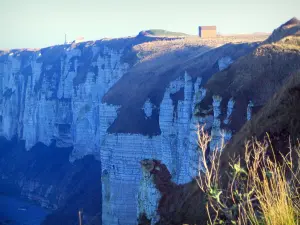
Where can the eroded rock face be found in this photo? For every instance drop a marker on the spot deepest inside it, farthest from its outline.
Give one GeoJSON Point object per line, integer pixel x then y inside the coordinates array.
{"type": "Point", "coordinates": [59, 100]}
{"type": "Point", "coordinates": [53, 96]}
{"type": "Point", "coordinates": [148, 195]}
{"type": "Point", "coordinates": [224, 62]}
{"type": "Point", "coordinates": [56, 96]}
{"type": "Point", "coordinates": [176, 147]}
{"type": "Point", "coordinates": [224, 105]}
{"type": "Point", "coordinates": [178, 204]}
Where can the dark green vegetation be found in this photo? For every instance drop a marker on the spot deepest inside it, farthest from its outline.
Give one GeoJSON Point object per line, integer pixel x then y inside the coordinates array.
{"type": "Point", "coordinates": [161, 32]}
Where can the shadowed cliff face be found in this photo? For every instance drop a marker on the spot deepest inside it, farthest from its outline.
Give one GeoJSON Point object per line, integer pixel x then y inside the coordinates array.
{"type": "Point", "coordinates": [149, 80]}
{"type": "Point", "coordinates": [185, 203]}
{"type": "Point", "coordinates": [279, 118]}
{"type": "Point", "coordinates": [111, 101]}
{"type": "Point", "coordinates": [237, 93]}
{"type": "Point", "coordinates": [241, 92]}
{"type": "Point", "coordinates": [179, 204]}
{"type": "Point", "coordinates": [45, 175]}
{"type": "Point", "coordinates": [255, 77]}
{"type": "Point", "coordinates": [101, 107]}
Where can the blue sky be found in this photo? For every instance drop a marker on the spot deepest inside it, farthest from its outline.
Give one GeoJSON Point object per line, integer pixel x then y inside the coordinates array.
{"type": "Point", "coordinates": [40, 23]}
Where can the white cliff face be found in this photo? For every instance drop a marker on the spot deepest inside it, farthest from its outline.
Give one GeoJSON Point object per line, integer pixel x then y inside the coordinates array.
{"type": "Point", "coordinates": [249, 110]}
{"type": "Point", "coordinates": [45, 104]}
{"type": "Point", "coordinates": [216, 134]}
{"type": "Point", "coordinates": [120, 157]}
{"type": "Point", "coordinates": [230, 106]}
{"type": "Point", "coordinates": [185, 109]}
{"type": "Point", "coordinates": [224, 62]}
{"type": "Point", "coordinates": [9, 96]}
{"type": "Point", "coordinates": [65, 89]}
{"type": "Point", "coordinates": [194, 157]}
{"type": "Point", "coordinates": [148, 108]}
{"type": "Point", "coordinates": [175, 147]}
{"type": "Point", "coordinates": [148, 198]}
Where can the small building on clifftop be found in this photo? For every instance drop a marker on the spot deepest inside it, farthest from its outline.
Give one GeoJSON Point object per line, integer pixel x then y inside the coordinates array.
{"type": "Point", "coordinates": [207, 31]}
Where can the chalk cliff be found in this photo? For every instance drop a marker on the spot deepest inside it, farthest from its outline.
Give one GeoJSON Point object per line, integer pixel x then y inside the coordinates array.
{"type": "Point", "coordinates": [262, 84]}
{"type": "Point", "coordinates": [102, 107]}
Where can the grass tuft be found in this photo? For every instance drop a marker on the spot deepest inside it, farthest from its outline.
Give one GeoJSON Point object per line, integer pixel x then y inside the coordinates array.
{"type": "Point", "coordinates": [261, 189]}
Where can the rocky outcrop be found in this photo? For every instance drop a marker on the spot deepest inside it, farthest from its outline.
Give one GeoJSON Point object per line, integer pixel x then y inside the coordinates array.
{"type": "Point", "coordinates": [109, 111]}
{"type": "Point", "coordinates": [185, 203]}
{"type": "Point", "coordinates": [279, 118]}
{"type": "Point", "coordinates": [240, 91]}
{"type": "Point", "coordinates": [53, 96]}
{"type": "Point", "coordinates": [290, 28]}
{"type": "Point", "coordinates": [58, 100]}
{"type": "Point", "coordinates": [178, 204]}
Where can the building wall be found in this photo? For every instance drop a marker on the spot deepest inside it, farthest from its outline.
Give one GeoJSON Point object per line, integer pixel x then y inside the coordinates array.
{"type": "Point", "coordinates": [205, 33]}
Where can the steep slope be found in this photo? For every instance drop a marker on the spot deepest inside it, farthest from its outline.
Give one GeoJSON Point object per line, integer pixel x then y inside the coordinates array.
{"type": "Point", "coordinates": [242, 92]}
{"type": "Point", "coordinates": [155, 100]}
{"type": "Point", "coordinates": [99, 108]}
{"type": "Point", "coordinates": [291, 27]}
{"type": "Point", "coordinates": [247, 85]}
{"type": "Point", "coordinates": [57, 150]}
{"type": "Point", "coordinates": [46, 96]}
{"type": "Point", "coordinates": [280, 118]}
{"type": "Point", "coordinates": [151, 78]}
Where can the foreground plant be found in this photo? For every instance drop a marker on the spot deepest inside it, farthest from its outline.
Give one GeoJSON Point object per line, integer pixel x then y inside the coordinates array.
{"type": "Point", "coordinates": [261, 189]}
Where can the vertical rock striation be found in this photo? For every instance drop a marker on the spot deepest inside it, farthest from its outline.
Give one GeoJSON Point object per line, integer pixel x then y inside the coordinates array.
{"type": "Point", "coordinates": [55, 95]}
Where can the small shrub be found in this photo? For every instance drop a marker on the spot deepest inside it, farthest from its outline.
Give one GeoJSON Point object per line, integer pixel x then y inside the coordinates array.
{"type": "Point", "coordinates": [260, 191]}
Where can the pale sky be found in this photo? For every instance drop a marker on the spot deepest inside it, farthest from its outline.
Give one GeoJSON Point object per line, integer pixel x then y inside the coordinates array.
{"type": "Point", "coordinates": [41, 23]}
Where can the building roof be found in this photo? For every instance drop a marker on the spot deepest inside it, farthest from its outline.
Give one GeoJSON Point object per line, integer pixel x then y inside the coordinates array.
{"type": "Point", "coordinates": [208, 27]}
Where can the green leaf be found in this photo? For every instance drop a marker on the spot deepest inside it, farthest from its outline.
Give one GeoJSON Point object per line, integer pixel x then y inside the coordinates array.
{"type": "Point", "coordinates": [238, 169]}
{"type": "Point", "coordinates": [269, 174]}
{"type": "Point", "coordinates": [215, 193]}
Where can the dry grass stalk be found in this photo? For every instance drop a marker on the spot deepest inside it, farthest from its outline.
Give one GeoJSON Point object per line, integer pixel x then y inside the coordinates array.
{"type": "Point", "coordinates": [261, 192]}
